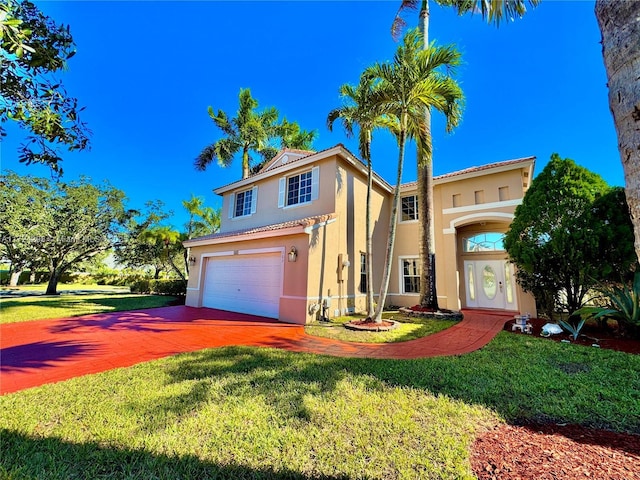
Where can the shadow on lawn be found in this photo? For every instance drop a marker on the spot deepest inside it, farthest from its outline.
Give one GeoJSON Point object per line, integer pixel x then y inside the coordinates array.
{"type": "Point", "coordinates": [53, 458]}
{"type": "Point", "coordinates": [522, 384]}
{"type": "Point", "coordinates": [40, 354]}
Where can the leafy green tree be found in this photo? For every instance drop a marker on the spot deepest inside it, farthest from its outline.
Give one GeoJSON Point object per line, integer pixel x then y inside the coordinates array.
{"type": "Point", "coordinates": [250, 131]}
{"type": "Point", "coordinates": [562, 236]}
{"type": "Point", "coordinates": [494, 12]}
{"type": "Point", "coordinates": [417, 79]}
{"type": "Point", "coordinates": [141, 244]}
{"type": "Point", "coordinates": [360, 112]}
{"type": "Point", "coordinates": [34, 48]}
{"type": "Point", "coordinates": [70, 223]}
{"type": "Point", "coordinates": [23, 203]}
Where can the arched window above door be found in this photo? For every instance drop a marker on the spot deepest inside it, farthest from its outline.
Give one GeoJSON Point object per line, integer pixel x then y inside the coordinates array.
{"type": "Point", "coordinates": [483, 242]}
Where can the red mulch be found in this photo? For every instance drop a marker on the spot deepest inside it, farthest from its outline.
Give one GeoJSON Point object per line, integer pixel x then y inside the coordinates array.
{"type": "Point", "coordinates": [552, 451]}
{"type": "Point", "coordinates": [544, 452]}
{"type": "Point", "coordinates": [369, 325]}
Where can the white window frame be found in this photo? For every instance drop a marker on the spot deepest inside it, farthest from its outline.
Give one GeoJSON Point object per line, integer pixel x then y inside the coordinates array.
{"type": "Point", "coordinates": [283, 188]}
{"type": "Point", "coordinates": [401, 260]}
{"type": "Point", "coordinates": [415, 203]}
{"type": "Point", "coordinates": [234, 199]}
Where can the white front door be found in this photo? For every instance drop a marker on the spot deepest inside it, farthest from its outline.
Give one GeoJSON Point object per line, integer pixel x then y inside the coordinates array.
{"type": "Point", "coordinates": [490, 284]}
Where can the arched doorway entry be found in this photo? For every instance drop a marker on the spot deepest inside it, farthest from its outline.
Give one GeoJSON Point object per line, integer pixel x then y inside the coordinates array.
{"type": "Point", "coordinates": [489, 280]}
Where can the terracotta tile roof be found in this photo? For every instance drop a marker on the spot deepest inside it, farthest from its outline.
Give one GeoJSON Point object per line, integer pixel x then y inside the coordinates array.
{"type": "Point", "coordinates": [302, 222]}
{"type": "Point", "coordinates": [481, 168]}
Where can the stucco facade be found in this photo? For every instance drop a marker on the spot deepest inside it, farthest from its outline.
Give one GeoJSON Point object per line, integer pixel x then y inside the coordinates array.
{"type": "Point", "coordinates": [292, 239]}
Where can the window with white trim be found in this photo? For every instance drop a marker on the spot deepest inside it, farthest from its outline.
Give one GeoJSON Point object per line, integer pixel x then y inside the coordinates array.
{"type": "Point", "coordinates": [363, 273]}
{"type": "Point", "coordinates": [410, 275]}
{"type": "Point", "coordinates": [409, 207]}
{"type": "Point", "coordinates": [243, 203]}
{"type": "Point", "coordinates": [298, 189]}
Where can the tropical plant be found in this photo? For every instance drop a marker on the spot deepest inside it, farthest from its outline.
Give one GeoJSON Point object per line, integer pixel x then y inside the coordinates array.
{"type": "Point", "coordinates": [494, 12]}
{"type": "Point", "coordinates": [418, 78]}
{"type": "Point", "coordinates": [620, 27]}
{"type": "Point", "coordinates": [622, 303]}
{"type": "Point", "coordinates": [34, 47]}
{"type": "Point", "coordinates": [202, 221]}
{"type": "Point", "coordinates": [359, 112]}
{"type": "Point", "coordinates": [250, 131]}
{"type": "Point", "coordinates": [573, 329]}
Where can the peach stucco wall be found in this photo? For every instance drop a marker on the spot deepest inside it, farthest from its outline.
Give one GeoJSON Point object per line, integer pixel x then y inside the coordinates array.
{"type": "Point", "coordinates": [267, 210]}
{"type": "Point", "coordinates": [510, 183]}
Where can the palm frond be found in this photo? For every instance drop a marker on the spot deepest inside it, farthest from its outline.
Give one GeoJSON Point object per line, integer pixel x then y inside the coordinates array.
{"type": "Point", "coordinates": [399, 23]}
{"type": "Point", "coordinates": [493, 11]}
{"type": "Point", "coordinates": [206, 156]}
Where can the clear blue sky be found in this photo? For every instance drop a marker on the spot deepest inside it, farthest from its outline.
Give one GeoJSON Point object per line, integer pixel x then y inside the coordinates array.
{"type": "Point", "coordinates": [147, 71]}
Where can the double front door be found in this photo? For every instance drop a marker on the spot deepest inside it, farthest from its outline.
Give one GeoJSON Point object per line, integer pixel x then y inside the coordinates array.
{"type": "Point", "coordinates": [490, 284]}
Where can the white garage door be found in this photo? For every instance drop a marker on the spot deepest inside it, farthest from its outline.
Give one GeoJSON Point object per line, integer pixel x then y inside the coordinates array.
{"type": "Point", "coordinates": [244, 283]}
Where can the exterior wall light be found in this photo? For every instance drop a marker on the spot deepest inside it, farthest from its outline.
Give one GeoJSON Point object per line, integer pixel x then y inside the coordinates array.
{"type": "Point", "coordinates": [293, 254]}
{"type": "Point", "coordinates": [192, 260]}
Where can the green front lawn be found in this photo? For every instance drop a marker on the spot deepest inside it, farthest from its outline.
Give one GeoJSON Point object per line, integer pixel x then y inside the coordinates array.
{"type": "Point", "coordinates": [409, 329]}
{"type": "Point", "coordinates": [24, 309]}
{"type": "Point", "coordinates": [236, 413]}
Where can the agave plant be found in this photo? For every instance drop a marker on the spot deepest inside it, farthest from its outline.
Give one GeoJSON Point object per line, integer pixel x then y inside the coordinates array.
{"type": "Point", "coordinates": [574, 330]}
{"type": "Point", "coordinates": [622, 304]}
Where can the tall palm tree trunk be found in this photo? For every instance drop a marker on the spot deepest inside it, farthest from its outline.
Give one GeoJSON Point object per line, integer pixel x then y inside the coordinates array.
{"type": "Point", "coordinates": [369, 234]}
{"type": "Point", "coordinates": [428, 294]}
{"type": "Point", "coordinates": [245, 162]}
{"type": "Point", "coordinates": [386, 273]}
{"type": "Point", "coordinates": [619, 23]}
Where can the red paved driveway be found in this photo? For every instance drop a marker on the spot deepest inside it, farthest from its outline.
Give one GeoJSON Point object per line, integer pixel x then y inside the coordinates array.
{"type": "Point", "coordinates": [46, 351]}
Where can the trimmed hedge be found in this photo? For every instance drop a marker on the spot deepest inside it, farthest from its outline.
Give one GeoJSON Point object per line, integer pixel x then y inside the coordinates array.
{"type": "Point", "coordinates": [159, 287]}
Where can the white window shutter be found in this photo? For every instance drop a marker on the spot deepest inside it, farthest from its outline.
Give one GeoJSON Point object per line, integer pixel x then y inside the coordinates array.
{"type": "Point", "coordinates": [254, 199]}
{"type": "Point", "coordinates": [232, 201]}
{"type": "Point", "coordinates": [314, 182]}
{"type": "Point", "coordinates": [281, 192]}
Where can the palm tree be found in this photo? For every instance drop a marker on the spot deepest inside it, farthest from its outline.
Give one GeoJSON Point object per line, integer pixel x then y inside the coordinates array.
{"type": "Point", "coordinates": [494, 12]}
{"type": "Point", "coordinates": [288, 135]}
{"type": "Point", "coordinates": [413, 83]}
{"type": "Point", "coordinates": [359, 112]}
{"type": "Point", "coordinates": [620, 27]}
{"type": "Point", "coordinates": [248, 131]}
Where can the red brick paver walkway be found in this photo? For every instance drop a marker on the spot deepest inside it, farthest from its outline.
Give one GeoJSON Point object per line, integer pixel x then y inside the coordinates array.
{"type": "Point", "coordinates": [47, 351]}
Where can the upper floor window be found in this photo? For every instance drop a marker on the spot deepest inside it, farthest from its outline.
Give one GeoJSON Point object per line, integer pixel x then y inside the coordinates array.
{"type": "Point", "coordinates": [484, 242]}
{"type": "Point", "coordinates": [298, 189]}
{"type": "Point", "coordinates": [409, 206]}
{"type": "Point", "coordinates": [243, 203]}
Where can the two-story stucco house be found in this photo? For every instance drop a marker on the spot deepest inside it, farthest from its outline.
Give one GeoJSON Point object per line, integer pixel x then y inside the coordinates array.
{"type": "Point", "coordinates": [292, 239]}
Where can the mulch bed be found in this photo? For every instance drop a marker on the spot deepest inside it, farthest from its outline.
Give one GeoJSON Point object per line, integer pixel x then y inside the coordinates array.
{"type": "Point", "coordinates": [555, 452]}
{"type": "Point", "coordinates": [559, 451]}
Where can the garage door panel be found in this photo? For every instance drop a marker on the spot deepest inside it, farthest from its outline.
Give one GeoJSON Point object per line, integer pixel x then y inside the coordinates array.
{"type": "Point", "coordinates": [248, 284]}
